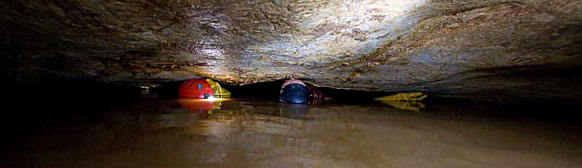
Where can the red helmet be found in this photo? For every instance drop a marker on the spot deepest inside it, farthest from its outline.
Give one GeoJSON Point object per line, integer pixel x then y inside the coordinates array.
{"type": "Point", "coordinates": [195, 89]}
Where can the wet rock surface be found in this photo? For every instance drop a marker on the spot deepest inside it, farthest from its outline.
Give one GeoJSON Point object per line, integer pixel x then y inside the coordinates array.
{"type": "Point", "coordinates": [484, 49]}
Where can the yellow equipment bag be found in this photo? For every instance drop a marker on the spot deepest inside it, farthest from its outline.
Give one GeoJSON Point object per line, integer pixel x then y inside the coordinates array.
{"type": "Point", "coordinates": [417, 96]}
{"type": "Point", "coordinates": [218, 91]}
{"type": "Point", "coordinates": [405, 101]}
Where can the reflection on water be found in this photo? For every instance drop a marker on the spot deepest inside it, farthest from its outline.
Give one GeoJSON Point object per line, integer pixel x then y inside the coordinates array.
{"type": "Point", "coordinates": [259, 133]}
{"type": "Point", "coordinates": [200, 106]}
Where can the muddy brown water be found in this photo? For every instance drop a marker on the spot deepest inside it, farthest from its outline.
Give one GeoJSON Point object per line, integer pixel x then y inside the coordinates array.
{"type": "Point", "coordinates": [171, 133]}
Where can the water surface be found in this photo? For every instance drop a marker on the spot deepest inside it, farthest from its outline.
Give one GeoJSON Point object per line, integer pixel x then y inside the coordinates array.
{"type": "Point", "coordinates": [155, 132]}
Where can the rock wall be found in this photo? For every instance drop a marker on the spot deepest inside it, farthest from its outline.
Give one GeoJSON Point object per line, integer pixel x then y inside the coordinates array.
{"type": "Point", "coordinates": [477, 48]}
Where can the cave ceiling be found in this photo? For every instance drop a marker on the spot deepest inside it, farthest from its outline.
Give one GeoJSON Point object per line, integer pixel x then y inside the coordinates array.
{"type": "Point", "coordinates": [452, 47]}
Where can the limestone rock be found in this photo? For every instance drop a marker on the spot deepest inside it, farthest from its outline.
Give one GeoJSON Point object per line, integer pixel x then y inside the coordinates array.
{"type": "Point", "coordinates": [477, 48]}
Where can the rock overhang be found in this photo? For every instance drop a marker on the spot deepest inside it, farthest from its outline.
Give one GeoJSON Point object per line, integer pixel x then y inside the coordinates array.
{"type": "Point", "coordinates": [377, 45]}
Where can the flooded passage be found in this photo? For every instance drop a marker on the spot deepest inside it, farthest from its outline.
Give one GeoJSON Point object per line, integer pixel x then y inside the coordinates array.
{"type": "Point", "coordinates": [264, 133]}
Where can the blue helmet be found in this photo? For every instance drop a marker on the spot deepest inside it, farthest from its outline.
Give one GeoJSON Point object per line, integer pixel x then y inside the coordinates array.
{"type": "Point", "coordinates": [295, 93]}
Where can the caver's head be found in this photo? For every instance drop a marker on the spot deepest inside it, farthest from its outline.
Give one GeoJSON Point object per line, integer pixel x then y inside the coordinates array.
{"type": "Point", "coordinates": [295, 93]}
